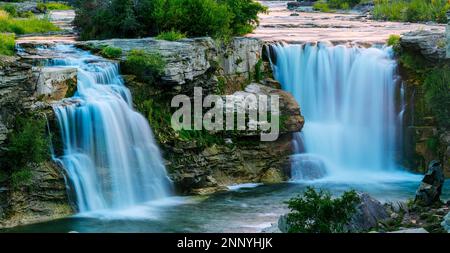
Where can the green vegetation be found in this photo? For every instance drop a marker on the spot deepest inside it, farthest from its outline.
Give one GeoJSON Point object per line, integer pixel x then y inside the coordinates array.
{"type": "Point", "coordinates": [134, 18]}
{"type": "Point", "coordinates": [28, 143]}
{"type": "Point", "coordinates": [111, 52]}
{"type": "Point", "coordinates": [412, 10]}
{"type": "Point", "coordinates": [394, 42]}
{"type": "Point", "coordinates": [53, 6]}
{"type": "Point", "coordinates": [437, 93]}
{"type": "Point", "coordinates": [21, 178]}
{"type": "Point", "coordinates": [145, 66]}
{"type": "Point", "coordinates": [332, 5]}
{"type": "Point", "coordinates": [171, 35]}
{"type": "Point", "coordinates": [24, 25]}
{"type": "Point", "coordinates": [318, 212]}
{"type": "Point", "coordinates": [7, 44]}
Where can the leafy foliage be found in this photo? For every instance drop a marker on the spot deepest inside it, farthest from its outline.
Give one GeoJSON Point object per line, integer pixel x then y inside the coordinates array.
{"type": "Point", "coordinates": [20, 178]}
{"type": "Point", "coordinates": [28, 143]}
{"type": "Point", "coordinates": [145, 66]}
{"type": "Point", "coordinates": [394, 42]}
{"type": "Point", "coordinates": [133, 18]}
{"type": "Point", "coordinates": [318, 212]}
{"type": "Point", "coordinates": [111, 52]}
{"type": "Point", "coordinates": [437, 94]}
{"type": "Point", "coordinates": [412, 10]}
{"type": "Point", "coordinates": [171, 35]}
{"type": "Point", "coordinates": [7, 44]}
{"type": "Point", "coordinates": [52, 6]}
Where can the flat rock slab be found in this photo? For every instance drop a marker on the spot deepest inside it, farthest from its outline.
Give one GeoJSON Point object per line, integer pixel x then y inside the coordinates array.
{"type": "Point", "coordinates": [279, 25]}
{"type": "Point", "coordinates": [410, 231]}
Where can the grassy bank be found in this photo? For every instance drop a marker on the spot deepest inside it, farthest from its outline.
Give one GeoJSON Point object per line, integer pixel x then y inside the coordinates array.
{"type": "Point", "coordinates": [412, 10]}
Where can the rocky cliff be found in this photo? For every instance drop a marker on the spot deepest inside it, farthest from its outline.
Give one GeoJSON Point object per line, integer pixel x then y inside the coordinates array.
{"type": "Point", "coordinates": [425, 70]}
{"type": "Point", "coordinates": [205, 161]}
{"type": "Point", "coordinates": [29, 191]}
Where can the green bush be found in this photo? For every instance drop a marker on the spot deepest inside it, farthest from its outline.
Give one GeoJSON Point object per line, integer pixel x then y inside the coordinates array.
{"type": "Point", "coordinates": [7, 44]}
{"type": "Point", "coordinates": [343, 4]}
{"type": "Point", "coordinates": [171, 36]}
{"type": "Point", "coordinates": [21, 178]}
{"type": "Point", "coordinates": [25, 25]}
{"type": "Point", "coordinates": [111, 52]}
{"type": "Point", "coordinates": [412, 10]}
{"type": "Point", "coordinates": [318, 212]}
{"type": "Point", "coordinates": [10, 8]}
{"type": "Point", "coordinates": [145, 66]}
{"type": "Point", "coordinates": [321, 6]}
{"type": "Point", "coordinates": [437, 94]}
{"type": "Point", "coordinates": [134, 18]}
{"type": "Point", "coordinates": [27, 143]}
{"type": "Point", "coordinates": [53, 6]}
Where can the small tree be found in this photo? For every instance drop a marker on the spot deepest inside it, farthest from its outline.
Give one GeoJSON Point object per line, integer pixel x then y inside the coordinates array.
{"type": "Point", "coordinates": [318, 212]}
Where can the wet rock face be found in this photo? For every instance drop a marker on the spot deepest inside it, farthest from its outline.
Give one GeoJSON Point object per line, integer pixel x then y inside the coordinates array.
{"type": "Point", "coordinates": [430, 189]}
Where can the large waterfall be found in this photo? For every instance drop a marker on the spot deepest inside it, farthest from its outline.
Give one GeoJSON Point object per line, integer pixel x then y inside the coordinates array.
{"type": "Point", "coordinates": [351, 102]}
{"type": "Point", "coordinates": [110, 154]}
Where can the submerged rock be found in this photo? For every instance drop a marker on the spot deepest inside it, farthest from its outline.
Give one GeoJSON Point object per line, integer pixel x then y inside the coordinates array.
{"type": "Point", "coordinates": [410, 231]}
{"type": "Point", "coordinates": [430, 189]}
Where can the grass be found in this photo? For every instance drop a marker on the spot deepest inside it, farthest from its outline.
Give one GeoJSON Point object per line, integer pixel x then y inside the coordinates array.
{"type": "Point", "coordinates": [53, 6]}
{"type": "Point", "coordinates": [25, 25]}
{"type": "Point", "coordinates": [21, 178]}
{"type": "Point", "coordinates": [7, 43]}
{"type": "Point", "coordinates": [394, 42]}
{"type": "Point", "coordinates": [111, 52]}
{"type": "Point", "coordinates": [171, 35]}
{"type": "Point", "coordinates": [412, 10]}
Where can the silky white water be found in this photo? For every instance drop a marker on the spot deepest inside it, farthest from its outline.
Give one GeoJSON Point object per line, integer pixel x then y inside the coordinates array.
{"type": "Point", "coordinates": [110, 154]}
{"type": "Point", "coordinates": [348, 98]}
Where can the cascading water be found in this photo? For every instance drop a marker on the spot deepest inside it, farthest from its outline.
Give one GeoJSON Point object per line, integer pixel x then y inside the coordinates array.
{"type": "Point", "coordinates": [110, 155]}
{"type": "Point", "coordinates": [348, 98]}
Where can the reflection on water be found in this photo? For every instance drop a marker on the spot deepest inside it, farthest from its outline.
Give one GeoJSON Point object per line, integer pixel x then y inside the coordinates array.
{"type": "Point", "coordinates": [241, 210]}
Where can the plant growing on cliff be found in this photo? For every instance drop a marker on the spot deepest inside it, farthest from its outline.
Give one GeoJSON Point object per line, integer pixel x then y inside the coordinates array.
{"type": "Point", "coordinates": [171, 35]}
{"type": "Point", "coordinates": [145, 66]}
{"type": "Point", "coordinates": [394, 42]}
{"type": "Point", "coordinates": [437, 94]}
{"type": "Point", "coordinates": [318, 212]}
{"type": "Point", "coordinates": [28, 143]}
{"type": "Point", "coordinates": [7, 44]}
{"type": "Point", "coordinates": [111, 52]}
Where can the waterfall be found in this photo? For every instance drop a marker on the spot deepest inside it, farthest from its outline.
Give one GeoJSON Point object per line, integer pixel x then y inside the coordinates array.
{"type": "Point", "coordinates": [348, 96]}
{"type": "Point", "coordinates": [110, 155]}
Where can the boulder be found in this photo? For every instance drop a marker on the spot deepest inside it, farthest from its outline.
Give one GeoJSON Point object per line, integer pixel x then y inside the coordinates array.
{"type": "Point", "coordinates": [56, 83]}
{"type": "Point", "coordinates": [431, 44]}
{"type": "Point", "coordinates": [430, 189]}
{"type": "Point", "coordinates": [368, 213]}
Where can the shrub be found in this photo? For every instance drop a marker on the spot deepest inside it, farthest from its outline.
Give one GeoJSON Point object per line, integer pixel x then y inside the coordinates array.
{"type": "Point", "coordinates": [25, 25]}
{"type": "Point", "coordinates": [171, 36]}
{"type": "Point", "coordinates": [133, 18]}
{"type": "Point", "coordinates": [21, 178]}
{"type": "Point", "coordinates": [7, 44]}
{"type": "Point", "coordinates": [11, 9]}
{"type": "Point", "coordinates": [145, 66]}
{"type": "Point", "coordinates": [318, 212]}
{"type": "Point", "coordinates": [27, 143]}
{"type": "Point", "coordinates": [111, 52]}
{"type": "Point", "coordinates": [53, 6]}
{"type": "Point", "coordinates": [343, 4]}
{"type": "Point", "coordinates": [321, 6]}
